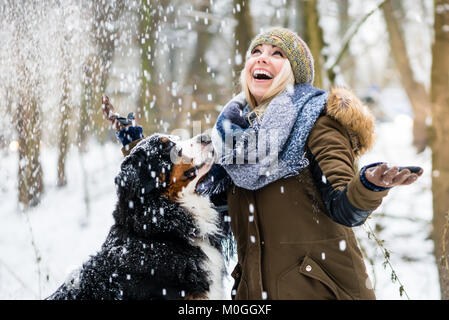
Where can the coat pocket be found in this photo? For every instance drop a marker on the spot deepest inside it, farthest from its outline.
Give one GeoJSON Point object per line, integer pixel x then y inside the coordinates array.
{"type": "Point", "coordinates": [307, 280]}
{"type": "Point", "coordinates": [236, 275]}
{"type": "Point", "coordinates": [240, 288]}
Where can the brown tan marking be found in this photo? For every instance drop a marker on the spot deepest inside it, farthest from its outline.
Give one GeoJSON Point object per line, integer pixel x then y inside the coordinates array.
{"type": "Point", "coordinates": [165, 139]}
{"type": "Point", "coordinates": [177, 179]}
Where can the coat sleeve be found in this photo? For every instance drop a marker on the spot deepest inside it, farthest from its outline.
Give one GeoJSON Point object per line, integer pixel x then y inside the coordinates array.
{"type": "Point", "coordinates": [346, 197]}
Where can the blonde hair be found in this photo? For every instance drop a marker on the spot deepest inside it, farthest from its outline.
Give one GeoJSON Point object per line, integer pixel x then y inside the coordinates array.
{"type": "Point", "coordinates": [284, 78]}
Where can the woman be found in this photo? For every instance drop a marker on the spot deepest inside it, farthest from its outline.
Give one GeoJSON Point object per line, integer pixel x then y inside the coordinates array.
{"type": "Point", "coordinates": [290, 150]}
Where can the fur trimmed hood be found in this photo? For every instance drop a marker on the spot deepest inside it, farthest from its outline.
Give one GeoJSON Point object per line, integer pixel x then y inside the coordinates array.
{"type": "Point", "coordinates": [343, 106]}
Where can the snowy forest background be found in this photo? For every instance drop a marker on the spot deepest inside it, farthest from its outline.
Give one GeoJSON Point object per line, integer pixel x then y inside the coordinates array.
{"type": "Point", "coordinates": [175, 63]}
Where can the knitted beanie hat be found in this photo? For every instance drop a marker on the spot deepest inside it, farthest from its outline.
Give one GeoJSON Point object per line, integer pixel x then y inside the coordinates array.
{"type": "Point", "coordinates": [297, 51]}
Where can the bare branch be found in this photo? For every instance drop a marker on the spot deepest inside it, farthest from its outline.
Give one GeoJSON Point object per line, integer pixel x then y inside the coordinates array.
{"type": "Point", "coordinates": [350, 34]}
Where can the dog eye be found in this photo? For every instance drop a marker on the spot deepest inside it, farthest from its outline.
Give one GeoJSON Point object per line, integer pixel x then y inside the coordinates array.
{"type": "Point", "coordinates": [180, 152]}
{"type": "Point", "coordinates": [191, 173]}
{"type": "Point", "coordinates": [168, 146]}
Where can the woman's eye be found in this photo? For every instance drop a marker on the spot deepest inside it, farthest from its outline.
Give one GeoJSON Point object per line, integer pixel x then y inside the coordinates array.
{"type": "Point", "coordinates": [256, 51]}
{"type": "Point", "coordinates": [279, 53]}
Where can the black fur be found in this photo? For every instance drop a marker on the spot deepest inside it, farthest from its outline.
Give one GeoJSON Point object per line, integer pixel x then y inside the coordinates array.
{"type": "Point", "coordinates": [149, 251]}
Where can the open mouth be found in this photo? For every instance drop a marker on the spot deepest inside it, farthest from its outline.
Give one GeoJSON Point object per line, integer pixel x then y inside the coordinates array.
{"type": "Point", "coordinates": [262, 75]}
{"type": "Point", "coordinates": [198, 167]}
{"type": "Point", "coordinates": [194, 171]}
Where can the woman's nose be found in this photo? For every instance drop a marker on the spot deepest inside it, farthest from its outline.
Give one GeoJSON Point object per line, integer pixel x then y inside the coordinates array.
{"type": "Point", "coordinates": [262, 58]}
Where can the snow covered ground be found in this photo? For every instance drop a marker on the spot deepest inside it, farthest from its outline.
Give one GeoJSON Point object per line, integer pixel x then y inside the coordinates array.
{"type": "Point", "coordinates": [40, 248]}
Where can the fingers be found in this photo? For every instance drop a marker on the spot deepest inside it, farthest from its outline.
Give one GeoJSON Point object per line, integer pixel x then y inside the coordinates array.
{"type": "Point", "coordinates": [109, 114]}
{"type": "Point", "coordinates": [385, 176]}
{"type": "Point", "coordinates": [108, 109]}
{"type": "Point", "coordinates": [394, 177]}
{"type": "Point", "coordinates": [104, 99]}
{"type": "Point", "coordinates": [378, 171]}
{"type": "Point", "coordinates": [389, 176]}
{"type": "Point", "coordinates": [401, 177]}
{"type": "Point", "coordinates": [379, 175]}
{"type": "Point", "coordinates": [105, 103]}
{"type": "Point", "coordinates": [412, 178]}
{"type": "Point", "coordinates": [407, 177]}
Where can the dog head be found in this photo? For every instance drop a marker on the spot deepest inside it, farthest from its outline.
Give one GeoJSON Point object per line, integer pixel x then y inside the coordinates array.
{"type": "Point", "coordinates": [162, 165]}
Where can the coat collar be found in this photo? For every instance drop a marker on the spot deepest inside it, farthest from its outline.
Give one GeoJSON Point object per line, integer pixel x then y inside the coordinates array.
{"type": "Point", "coordinates": [343, 106]}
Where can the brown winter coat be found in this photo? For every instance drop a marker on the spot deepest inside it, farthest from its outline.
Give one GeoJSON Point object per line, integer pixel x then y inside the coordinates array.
{"type": "Point", "coordinates": [288, 247]}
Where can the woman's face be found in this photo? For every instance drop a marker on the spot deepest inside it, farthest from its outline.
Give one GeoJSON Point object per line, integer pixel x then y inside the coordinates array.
{"type": "Point", "coordinates": [262, 67]}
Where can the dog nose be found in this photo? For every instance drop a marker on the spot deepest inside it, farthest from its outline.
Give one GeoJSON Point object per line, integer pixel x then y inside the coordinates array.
{"type": "Point", "coordinates": [204, 139]}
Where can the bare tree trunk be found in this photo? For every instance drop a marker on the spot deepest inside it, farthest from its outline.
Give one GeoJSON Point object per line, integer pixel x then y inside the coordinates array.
{"type": "Point", "coordinates": [416, 91]}
{"type": "Point", "coordinates": [63, 143]}
{"type": "Point", "coordinates": [314, 39]}
{"type": "Point", "coordinates": [200, 104]}
{"type": "Point", "coordinates": [439, 142]}
{"type": "Point", "coordinates": [343, 15]}
{"type": "Point", "coordinates": [87, 99]}
{"type": "Point", "coordinates": [244, 32]}
{"type": "Point", "coordinates": [28, 114]}
{"type": "Point", "coordinates": [105, 15]}
{"type": "Point", "coordinates": [347, 65]}
{"type": "Point", "coordinates": [299, 23]}
{"type": "Point", "coordinates": [287, 13]}
{"type": "Point", "coordinates": [30, 174]}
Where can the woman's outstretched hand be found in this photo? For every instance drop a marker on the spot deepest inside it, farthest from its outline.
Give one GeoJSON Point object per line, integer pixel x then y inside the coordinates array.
{"type": "Point", "coordinates": [110, 115]}
{"type": "Point", "coordinates": [387, 177]}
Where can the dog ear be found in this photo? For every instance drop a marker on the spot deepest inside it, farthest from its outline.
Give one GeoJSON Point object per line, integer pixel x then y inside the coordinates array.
{"type": "Point", "coordinates": [126, 181]}
{"type": "Point", "coordinates": [137, 176]}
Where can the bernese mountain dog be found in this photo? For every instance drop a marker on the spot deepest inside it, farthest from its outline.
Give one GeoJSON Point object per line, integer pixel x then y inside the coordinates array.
{"type": "Point", "coordinates": [166, 241]}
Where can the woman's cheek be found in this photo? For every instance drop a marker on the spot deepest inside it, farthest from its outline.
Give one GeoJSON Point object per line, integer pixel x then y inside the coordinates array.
{"type": "Point", "coordinates": [278, 66]}
{"type": "Point", "coordinates": [248, 66]}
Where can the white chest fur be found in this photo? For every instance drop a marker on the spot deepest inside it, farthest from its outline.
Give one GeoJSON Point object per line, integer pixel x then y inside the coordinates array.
{"type": "Point", "coordinates": [206, 219]}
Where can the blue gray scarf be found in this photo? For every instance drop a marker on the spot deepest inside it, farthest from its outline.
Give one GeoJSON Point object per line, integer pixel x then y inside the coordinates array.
{"type": "Point", "coordinates": [257, 151]}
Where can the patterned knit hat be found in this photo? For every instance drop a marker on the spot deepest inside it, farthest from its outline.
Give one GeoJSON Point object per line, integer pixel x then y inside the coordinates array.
{"type": "Point", "coordinates": [297, 51]}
